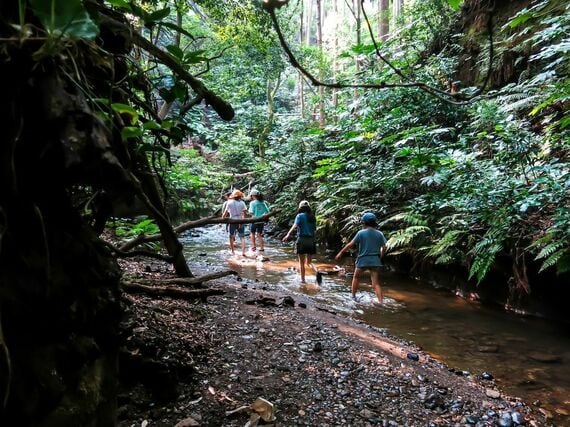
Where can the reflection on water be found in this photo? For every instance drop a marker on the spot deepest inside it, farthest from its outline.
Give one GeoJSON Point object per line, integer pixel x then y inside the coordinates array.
{"type": "Point", "coordinates": [529, 357]}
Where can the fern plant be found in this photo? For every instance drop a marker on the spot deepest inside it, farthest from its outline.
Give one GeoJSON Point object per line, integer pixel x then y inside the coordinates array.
{"type": "Point", "coordinates": [554, 247]}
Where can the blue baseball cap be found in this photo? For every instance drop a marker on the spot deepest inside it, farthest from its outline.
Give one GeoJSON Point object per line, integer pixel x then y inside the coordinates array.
{"type": "Point", "coordinates": [368, 217]}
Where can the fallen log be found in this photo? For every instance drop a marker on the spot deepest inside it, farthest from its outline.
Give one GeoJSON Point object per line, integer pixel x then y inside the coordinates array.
{"type": "Point", "coordinates": [166, 291]}
{"type": "Point", "coordinates": [144, 238]}
{"type": "Point", "coordinates": [183, 281]}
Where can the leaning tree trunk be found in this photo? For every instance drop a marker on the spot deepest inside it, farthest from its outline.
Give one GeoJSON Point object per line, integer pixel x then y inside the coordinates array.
{"type": "Point", "coordinates": [59, 301]}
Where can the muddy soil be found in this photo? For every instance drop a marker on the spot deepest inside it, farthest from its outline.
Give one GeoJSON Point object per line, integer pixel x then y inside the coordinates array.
{"type": "Point", "coordinates": [187, 363]}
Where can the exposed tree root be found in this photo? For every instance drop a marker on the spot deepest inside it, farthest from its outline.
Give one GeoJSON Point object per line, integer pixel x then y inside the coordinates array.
{"type": "Point", "coordinates": [183, 281]}
{"type": "Point", "coordinates": [165, 291]}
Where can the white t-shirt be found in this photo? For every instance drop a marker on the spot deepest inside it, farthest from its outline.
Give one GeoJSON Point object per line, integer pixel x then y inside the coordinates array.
{"type": "Point", "coordinates": [235, 208]}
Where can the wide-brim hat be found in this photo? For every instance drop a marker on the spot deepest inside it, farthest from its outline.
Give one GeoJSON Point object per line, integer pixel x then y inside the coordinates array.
{"type": "Point", "coordinates": [236, 194]}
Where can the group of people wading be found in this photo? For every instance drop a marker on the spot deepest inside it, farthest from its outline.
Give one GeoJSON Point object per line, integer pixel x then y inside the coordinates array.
{"type": "Point", "coordinates": [370, 241]}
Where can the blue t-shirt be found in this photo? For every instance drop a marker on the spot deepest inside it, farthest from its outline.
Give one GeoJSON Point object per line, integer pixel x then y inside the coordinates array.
{"type": "Point", "coordinates": [257, 208]}
{"type": "Point", "coordinates": [305, 228]}
{"type": "Point", "coordinates": [370, 242]}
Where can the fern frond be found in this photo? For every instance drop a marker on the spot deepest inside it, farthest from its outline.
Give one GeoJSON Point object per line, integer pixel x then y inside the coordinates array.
{"type": "Point", "coordinates": [447, 241]}
{"type": "Point", "coordinates": [444, 259]}
{"type": "Point", "coordinates": [484, 260]}
{"type": "Point", "coordinates": [549, 249]}
{"type": "Point", "coordinates": [410, 218]}
{"type": "Point", "coordinates": [405, 236]}
{"type": "Point", "coordinates": [552, 259]}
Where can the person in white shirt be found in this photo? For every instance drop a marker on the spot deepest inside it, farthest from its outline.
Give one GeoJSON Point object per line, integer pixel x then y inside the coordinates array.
{"type": "Point", "coordinates": [235, 208]}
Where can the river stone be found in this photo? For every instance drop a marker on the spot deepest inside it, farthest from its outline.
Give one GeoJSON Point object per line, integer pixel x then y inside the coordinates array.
{"type": "Point", "coordinates": [486, 376]}
{"type": "Point", "coordinates": [505, 420]}
{"type": "Point", "coordinates": [517, 418]}
{"type": "Point", "coordinates": [471, 419]}
{"type": "Point", "coordinates": [494, 394]}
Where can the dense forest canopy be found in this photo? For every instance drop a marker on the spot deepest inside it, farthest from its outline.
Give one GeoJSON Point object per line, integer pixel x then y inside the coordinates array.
{"type": "Point", "coordinates": [448, 119]}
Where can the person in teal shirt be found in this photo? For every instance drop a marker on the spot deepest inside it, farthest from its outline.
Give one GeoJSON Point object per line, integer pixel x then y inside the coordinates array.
{"type": "Point", "coordinates": [257, 208]}
{"type": "Point", "coordinates": [305, 246]}
{"type": "Point", "coordinates": [371, 249]}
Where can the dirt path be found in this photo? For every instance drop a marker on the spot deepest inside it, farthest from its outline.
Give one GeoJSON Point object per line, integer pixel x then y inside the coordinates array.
{"type": "Point", "coordinates": [192, 363]}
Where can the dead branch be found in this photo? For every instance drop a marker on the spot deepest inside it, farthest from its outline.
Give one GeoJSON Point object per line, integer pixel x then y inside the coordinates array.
{"type": "Point", "coordinates": [164, 291]}
{"type": "Point", "coordinates": [143, 238]}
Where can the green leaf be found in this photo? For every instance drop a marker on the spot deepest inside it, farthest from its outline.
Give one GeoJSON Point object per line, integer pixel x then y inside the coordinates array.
{"type": "Point", "coordinates": [157, 15]}
{"type": "Point", "coordinates": [520, 19]}
{"type": "Point", "coordinates": [175, 51]}
{"type": "Point", "coordinates": [126, 111]}
{"type": "Point", "coordinates": [151, 125]}
{"type": "Point", "coordinates": [454, 4]}
{"type": "Point", "coordinates": [66, 18]}
{"type": "Point", "coordinates": [122, 4]}
{"type": "Point", "coordinates": [564, 122]}
{"type": "Point", "coordinates": [131, 132]}
{"type": "Point", "coordinates": [194, 57]}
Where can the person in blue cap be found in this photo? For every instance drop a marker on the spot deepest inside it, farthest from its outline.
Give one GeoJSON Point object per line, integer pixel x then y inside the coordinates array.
{"type": "Point", "coordinates": [371, 248]}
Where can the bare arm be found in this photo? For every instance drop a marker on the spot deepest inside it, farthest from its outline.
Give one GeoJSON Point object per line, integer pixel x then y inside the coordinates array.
{"type": "Point", "coordinates": [343, 250]}
{"type": "Point", "coordinates": [293, 228]}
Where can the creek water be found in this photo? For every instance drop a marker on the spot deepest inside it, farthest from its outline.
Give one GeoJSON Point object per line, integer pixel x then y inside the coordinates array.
{"type": "Point", "coordinates": [529, 357]}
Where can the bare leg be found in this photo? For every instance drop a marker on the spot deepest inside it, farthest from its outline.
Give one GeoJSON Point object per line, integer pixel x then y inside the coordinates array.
{"type": "Point", "coordinates": [232, 240]}
{"type": "Point", "coordinates": [314, 268]}
{"type": "Point", "coordinates": [242, 238]}
{"type": "Point", "coordinates": [261, 242]}
{"type": "Point", "coordinates": [310, 262]}
{"type": "Point", "coordinates": [375, 278]}
{"type": "Point", "coordinates": [355, 281]}
{"type": "Point", "coordinates": [252, 241]}
{"type": "Point", "coordinates": [302, 260]}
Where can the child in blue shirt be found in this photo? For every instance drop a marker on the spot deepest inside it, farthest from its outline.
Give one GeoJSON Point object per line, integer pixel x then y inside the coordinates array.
{"type": "Point", "coordinates": [371, 248]}
{"type": "Point", "coordinates": [305, 246]}
{"type": "Point", "coordinates": [257, 208]}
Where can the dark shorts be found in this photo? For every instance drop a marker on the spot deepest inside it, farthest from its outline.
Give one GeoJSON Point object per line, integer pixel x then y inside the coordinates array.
{"type": "Point", "coordinates": [237, 228]}
{"type": "Point", "coordinates": [257, 227]}
{"type": "Point", "coordinates": [305, 245]}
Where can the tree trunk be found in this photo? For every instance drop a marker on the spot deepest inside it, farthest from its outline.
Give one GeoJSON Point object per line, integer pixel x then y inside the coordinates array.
{"type": "Point", "coordinates": [264, 135]}
{"type": "Point", "coordinates": [397, 8]}
{"type": "Point", "coordinates": [309, 22]}
{"type": "Point", "coordinates": [384, 19]}
{"type": "Point", "coordinates": [58, 281]}
{"type": "Point", "coordinates": [335, 53]}
{"type": "Point", "coordinates": [321, 70]}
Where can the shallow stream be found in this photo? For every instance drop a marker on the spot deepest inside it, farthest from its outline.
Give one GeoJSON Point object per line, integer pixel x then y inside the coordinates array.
{"type": "Point", "coordinates": [529, 357]}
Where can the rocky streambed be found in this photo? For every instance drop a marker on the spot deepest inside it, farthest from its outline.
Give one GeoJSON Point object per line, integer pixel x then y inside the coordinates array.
{"type": "Point", "coordinates": [257, 356]}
